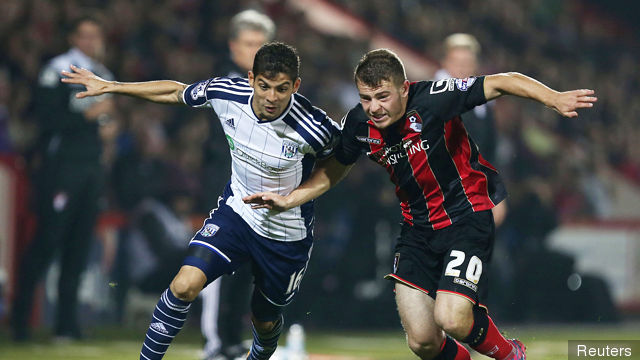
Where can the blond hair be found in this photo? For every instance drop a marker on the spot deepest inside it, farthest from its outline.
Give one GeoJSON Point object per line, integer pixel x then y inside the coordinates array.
{"type": "Point", "coordinates": [461, 40]}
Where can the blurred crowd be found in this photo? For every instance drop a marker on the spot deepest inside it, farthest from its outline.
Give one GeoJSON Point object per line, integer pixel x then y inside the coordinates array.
{"type": "Point", "coordinates": [156, 152]}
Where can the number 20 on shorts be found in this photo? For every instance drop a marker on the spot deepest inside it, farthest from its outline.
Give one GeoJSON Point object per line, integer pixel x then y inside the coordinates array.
{"type": "Point", "coordinates": [474, 269]}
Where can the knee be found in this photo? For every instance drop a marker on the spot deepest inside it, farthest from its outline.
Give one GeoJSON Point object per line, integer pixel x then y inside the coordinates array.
{"type": "Point", "coordinates": [263, 327]}
{"type": "Point", "coordinates": [455, 323]}
{"type": "Point", "coordinates": [185, 288]}
{"type": "Point", "coordinates": [425, 347]}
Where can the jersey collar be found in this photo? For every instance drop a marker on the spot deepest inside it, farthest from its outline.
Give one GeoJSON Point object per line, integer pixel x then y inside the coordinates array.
{"type": "Point", "coordinates": [284, 113]}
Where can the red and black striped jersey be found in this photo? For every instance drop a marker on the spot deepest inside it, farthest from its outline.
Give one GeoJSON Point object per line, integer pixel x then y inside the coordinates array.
{"type": "Point", "coordinates": [438, 171]}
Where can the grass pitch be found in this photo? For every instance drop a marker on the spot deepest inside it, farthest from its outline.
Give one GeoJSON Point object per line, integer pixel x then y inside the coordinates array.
{"type": "Point", "coordinates": [549, 343]}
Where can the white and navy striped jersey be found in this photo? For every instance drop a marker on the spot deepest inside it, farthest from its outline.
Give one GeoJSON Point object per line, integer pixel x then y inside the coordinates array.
{"type": "Point", "coordinates": [275, 156]}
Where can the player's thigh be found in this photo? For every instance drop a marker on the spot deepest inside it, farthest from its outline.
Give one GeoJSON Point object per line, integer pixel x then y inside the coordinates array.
{"type": "Point", "coordinates": [416, 308]}
{"type": "Point", "coordinates": [466, 262]}
{"type": "Point", "coordinates": [415, 263]}
{"type": "Point", "coordinates": [454, 314]}
{"type": "Point", "coordinates": [278, 267]}
{"type": "Point", "coordinates": [219, 246]}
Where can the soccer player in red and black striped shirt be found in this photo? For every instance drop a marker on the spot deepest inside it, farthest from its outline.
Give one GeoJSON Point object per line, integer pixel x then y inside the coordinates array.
{"type": "Point", "coordinates": [446, 191]}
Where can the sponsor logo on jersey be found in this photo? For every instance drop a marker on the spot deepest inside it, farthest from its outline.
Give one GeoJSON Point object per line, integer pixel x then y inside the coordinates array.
{"type": "Point", "coordinates": [369, 140]}
{"type": "Point", "coordinates": [232, 146]}
{"type": "Point", "coordinates": [466, 283]}
{"type": "Point", "coordinates": [209, 230]}
{"type": "Point", "coordinates": [199, 90]}
{"type": "Point", "coordinates": [390, 155]}
{"type": "Point", "coordinates": [464, 84]}
{"type": "Point", "coordinates": [289, 149]}
{"type": "Point", "coordinates": [159, 327]}
{"type": "Point", "coordinates": [230, 123]}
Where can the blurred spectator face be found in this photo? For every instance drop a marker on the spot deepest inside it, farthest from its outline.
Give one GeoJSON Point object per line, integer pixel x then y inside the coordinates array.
{"type": "Point", "coordinates": [271, 95]}
{"type": "Point", "coordinates": [460, 62]}
{"type": "Point", "coordinates": [385, 103]}
{"type": "Point", "coordinates": [89, 39]}
{"type": "Point", "coordinates": [243, 47]}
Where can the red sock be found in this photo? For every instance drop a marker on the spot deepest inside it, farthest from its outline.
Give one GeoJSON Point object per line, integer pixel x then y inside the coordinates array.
{"type": "Point", "coordinates": [463, 353]}
{"type": "Point", "coordinates": [494, 344]}
{"type": "Point", "coordinates": [452, 350]}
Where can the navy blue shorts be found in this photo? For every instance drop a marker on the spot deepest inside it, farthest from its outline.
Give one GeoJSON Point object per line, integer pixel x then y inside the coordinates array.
{"type": "Point", "coordinates": [225, 242]}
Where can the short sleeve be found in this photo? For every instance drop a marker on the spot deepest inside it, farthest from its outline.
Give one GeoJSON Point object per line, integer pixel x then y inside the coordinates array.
{"type": "Point", "coordinates": [334, 138]}
{"type": "Point", "coordinates": [348, 149]}
{"type": "Point", "coordinates": [195, 95]}
{"type": "Point", "coordinates": [448, 98]}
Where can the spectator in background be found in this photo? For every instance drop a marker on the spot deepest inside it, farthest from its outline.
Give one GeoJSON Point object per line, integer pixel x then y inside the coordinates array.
{"type": "Point", "coordinates": [69, 179]}
{"type": "Point", "coordinates": [461, 52]}
{"type": "Point", "coordinates": [225, 300]}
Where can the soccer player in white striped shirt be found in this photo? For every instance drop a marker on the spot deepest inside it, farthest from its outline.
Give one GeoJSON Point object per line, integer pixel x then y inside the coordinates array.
{"type": "Point", "coordinates": [275, 136]}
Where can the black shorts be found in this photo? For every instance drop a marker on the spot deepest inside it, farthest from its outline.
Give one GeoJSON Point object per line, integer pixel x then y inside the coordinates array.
{"type": "Point", "coordinates": [454, 259]}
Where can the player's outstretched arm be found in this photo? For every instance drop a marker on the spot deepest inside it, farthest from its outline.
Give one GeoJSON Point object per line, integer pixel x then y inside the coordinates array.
{"type": "Point", "coordinates": [565, 103]}
{"type": "Point", "coordinates": [160, 91]}
{"type": "Point", "coordinates": [325, 175]}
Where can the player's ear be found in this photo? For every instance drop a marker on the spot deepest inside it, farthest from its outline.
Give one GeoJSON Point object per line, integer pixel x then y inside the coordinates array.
{"type": "Point", "coordinates": [250, 77]}
{"type": "Point", "coordinates": [405, 88]}
{"type": "Point", "coordinates": [296, 85]}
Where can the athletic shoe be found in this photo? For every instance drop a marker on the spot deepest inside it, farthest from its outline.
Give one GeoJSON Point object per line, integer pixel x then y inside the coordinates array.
{"type": "Point", "coordinates": [518, 352]}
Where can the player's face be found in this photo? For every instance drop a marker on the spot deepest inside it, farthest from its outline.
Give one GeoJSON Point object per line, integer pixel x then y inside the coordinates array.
{"type": "Point", "coordinates": [271, 96]}
{"type": "Point", "coordinates": [89, 39]}
{"type": "Point", "coordinates": [245, 46]}
{"type": "Point", "coordinates": [460, 63]}
{"type": "Point", "coordinates": [384, 104]}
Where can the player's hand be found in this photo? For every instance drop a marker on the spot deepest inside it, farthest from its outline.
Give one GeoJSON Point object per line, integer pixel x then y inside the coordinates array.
{"type": "Point", "coordinates": [567, 103]}
{"type": "Point", "coordinates": [95, 85]}
{"type": "Point", "coordinates": [266, 200]}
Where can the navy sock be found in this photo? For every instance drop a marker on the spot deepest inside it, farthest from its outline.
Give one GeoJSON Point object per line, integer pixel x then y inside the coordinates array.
{"type": "Point", "coordinates": [264, 345]}
{"type": "Point", "coordinates": [167, 320]}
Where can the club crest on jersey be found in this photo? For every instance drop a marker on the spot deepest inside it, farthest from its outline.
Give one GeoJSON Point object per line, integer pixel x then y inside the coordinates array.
{"type": "Point", "coordinates": [209, 230]}
{"type": "Point", "coordinates": [369, 140]}
{"type": "Point", "coordinates": [199, 90]}
{"type": "Point", "coordinates": [289, 149]}
{"type": "Point", "coordinates": [414, 121]}
{"type": "Point", "coordinates": [464, 84]}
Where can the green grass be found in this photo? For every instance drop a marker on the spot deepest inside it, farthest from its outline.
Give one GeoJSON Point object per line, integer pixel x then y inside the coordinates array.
{"type": "Point", "coordinates": [549, 343]}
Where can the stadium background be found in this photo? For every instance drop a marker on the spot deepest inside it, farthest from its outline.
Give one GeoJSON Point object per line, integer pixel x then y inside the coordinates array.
{"type": "Point", "coordinates": [565, 258]}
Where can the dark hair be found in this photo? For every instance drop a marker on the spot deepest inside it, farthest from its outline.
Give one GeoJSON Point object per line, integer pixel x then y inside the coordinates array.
{"type": "Point", "coordinates": [75, 24]}
{"type": "Point", "coordinates": [378, 65]}
{"type": "Point", "coordinates": [274, 58]}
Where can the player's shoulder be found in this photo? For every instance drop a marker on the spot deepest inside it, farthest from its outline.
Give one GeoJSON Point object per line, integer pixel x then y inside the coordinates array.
{"type": "Point", "coordinates": [433, 87]}
{"type": "Point", "coordinates": [226, 88]}
{"type": "Point", "coordinates": [428, 87]}
{"type": "Point", "coordinates": [302, 103]}
{"type": "Point", "coordinates": [354, 117]}
{"type": "Point", "coordinates": [302, 106]}
{"type": "Point", "coordinates": [229, 82]}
